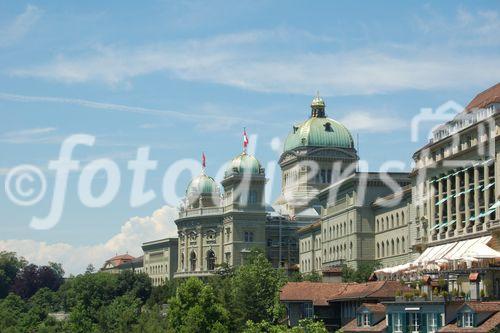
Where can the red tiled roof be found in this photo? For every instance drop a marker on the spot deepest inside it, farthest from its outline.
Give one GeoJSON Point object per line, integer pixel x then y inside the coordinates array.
{"type": "Point", "coordinates": [321, 293]}
{"type": "Point", "coordinates": [317, 292]}
{"type": "Point", "coordinates": [483, 99]}
{"type": "Point", "coordinates": [377, 289]}
{"type": "Point", "coordinates": [487, 326]}
{"type": "Point", "coordinates": [120, 259]}
{"type": "Point", "coordinates": [484, 306]}
{"type": "Point", "coordinates": [352, 326]}
{"type": "Point", "coordinates": [375, 307]}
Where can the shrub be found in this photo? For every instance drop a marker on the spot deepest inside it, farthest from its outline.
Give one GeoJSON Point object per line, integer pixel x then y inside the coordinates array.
{"type": "Point", "coordinates": [408, 295]}
{"type": "Point", "coordinates": [423, 295]}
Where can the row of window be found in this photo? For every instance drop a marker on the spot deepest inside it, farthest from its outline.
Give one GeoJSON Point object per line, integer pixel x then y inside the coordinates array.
{"type": "Point", "coordinates": [156, 269]}
{"type": "Point", "coordinates": [210, 261]}
{"type": "Point", "coordinates": [389, 222]}
{"type": "Point", "coordinates": [338, 230]}
{"type": "Point", "coordinates": [394, 247]}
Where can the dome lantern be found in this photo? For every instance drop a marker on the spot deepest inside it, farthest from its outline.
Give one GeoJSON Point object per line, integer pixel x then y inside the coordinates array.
{"type": "Point", "coordinates": [318, 106]}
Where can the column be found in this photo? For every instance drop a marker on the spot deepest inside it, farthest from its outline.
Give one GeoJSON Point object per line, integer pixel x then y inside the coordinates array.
{"type": "Point", "coordinates": [486, 193]}
{"type": "Point", "coordinates": [458, 200]}
{"type": "Point", "coordinates": [467, 199]}
{"type": "Point", "coordinates": [440, 206]}
{"type": "Point", "coordinates": [448, 201]}
{"type": "Point", "coordinates": [186, 255]}
{"type": "Point", "coordinates": [432, 208]}
{"type": "Point", "coordinates": [476, 195]}
{"type": "Point", "coordinates": [200, 258]}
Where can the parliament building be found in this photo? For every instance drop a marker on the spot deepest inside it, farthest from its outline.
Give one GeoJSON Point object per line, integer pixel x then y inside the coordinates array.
{"type": "Point", "coordinates": [330, 214]}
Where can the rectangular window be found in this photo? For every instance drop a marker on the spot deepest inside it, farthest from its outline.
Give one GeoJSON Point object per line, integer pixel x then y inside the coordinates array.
{"type": "Point", "coordinates": [414, 322]}
{"type": "Point", "coordinates": [308, 310]}
{"type": "Point", "coordinates": [252, 199]}
{"type": "Point", "coordinates": [366, 319]}
{"type": "Point", "coordinates": [398, 323]}
{"type": "Point", "coordinates": [468, 320]}
{"type": "Point", "coordinates": [432, 322]}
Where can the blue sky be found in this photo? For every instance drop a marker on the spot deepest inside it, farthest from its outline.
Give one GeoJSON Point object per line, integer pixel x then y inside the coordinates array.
{"type": "Point", "coordinates": [186, 77]}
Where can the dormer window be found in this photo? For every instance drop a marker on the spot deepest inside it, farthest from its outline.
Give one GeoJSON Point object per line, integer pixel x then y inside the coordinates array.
{"type": "Point", "coordinates": [467, 319]}
{"type": "Point", "coordinates": [328, 127]}
{"type": "Point", "coordinates": [364, 319]}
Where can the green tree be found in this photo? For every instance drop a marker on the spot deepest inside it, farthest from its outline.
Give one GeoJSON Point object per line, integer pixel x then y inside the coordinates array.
{"type": "Point", "coordinates": [256, 287]}
{"type": "Point", "coordinates": [12, 310]}
{"type": "Point", "coordinates": [138, 285]}
{"type": "Point", "coordinates": [362, 274]}
{"type": "Point", "coordinates": [120, 315]}
{"type": "Point", "coordinates": [10, 265]}
{"type": "Point", "coordinates": [195, 308]}
{"type": "Point", "coordinates": [151, 320]}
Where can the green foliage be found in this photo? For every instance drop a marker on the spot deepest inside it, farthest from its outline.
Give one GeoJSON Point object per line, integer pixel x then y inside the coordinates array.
{"type": "Point", "coordinates": [120, 315]}
{"type": "Point", "coordinates": [10, 265]}
{"type": "Point", "coordinates": [256, 288]}
{"type": "Point", "coordinates": [195, 308]}
{"type": "Point", "coordinates": [362, 274]}
{"type": "Point", "coordinates": [305, 326]}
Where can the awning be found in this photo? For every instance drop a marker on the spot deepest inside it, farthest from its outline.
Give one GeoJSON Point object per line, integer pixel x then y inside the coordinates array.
{"type": "Point", "coordinates": [474, 249]}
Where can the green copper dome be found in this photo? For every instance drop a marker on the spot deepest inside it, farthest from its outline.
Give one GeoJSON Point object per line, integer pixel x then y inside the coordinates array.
{"type": "Point", "coordinates": [243, 164]}
{"type": "Point", "coordinates": [202, 184]}
{"type": "Point", "coordinates": [319, 131]}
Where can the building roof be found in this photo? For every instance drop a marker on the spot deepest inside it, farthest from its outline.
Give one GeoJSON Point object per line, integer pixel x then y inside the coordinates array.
{"type": "Point", "coordinates": [310, 227]}
{"type": "Point", "coordinates": [485, 98]}
{"type": "Point", "coordinates": [486, 326]}
{"type": "Point", "coordinates": [317, 292]}
{"type": "Point", "coordinates": [374, 307]}
{"type": "Point", "coordinates": [202, 184]}
{"type": "Point", "coordinates": [120, 259]}
{"type": "Point", "coordinates": [244, 164]}
{"type": "Point", "coordinates": [322, 293]}
{"type": "Point", "coordinates": [383, 201]}
{"type": "Point", "coordinates": [352, 326]}
{"type": "Point", "coordinates": [484, 306]}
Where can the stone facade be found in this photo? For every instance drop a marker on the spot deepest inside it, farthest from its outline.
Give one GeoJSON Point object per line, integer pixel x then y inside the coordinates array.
{"type": "Point", "coordinates": [160, 259]}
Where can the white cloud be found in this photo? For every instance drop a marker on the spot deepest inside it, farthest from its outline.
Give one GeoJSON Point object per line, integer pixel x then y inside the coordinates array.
{"type": "Point", "coordinates": [20, 26]}
{"type": "Point", "coordinates": [245, 60]}
{"type": "Point", "coordinates": [372, 122]}
{"type": "Point", "coordinates": [76, 258]}
{"type": "Point", "coordinates": [28, 135]}
{"type": "Point", "coordinates": [199, 118]}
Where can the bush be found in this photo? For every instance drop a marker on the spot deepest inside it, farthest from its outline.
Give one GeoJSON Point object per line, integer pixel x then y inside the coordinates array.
{"type": "Point", "coordinates": [408, 295]}
{"type": "Point", "coordinates": [424, 295]}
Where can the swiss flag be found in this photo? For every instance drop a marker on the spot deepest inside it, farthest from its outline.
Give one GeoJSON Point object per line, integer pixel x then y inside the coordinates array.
{"type": "Point", "coordinates": [245, 139]}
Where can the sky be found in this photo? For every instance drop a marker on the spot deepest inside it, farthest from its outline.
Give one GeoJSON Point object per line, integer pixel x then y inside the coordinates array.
{"type": "Point", "coordinates": [185, 77]}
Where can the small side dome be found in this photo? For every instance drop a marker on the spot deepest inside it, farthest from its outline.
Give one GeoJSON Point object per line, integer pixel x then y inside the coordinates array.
{"type": "Point", "coordinates": [202, 184]}
{"type": "Point", "coordinates": [244, 164]}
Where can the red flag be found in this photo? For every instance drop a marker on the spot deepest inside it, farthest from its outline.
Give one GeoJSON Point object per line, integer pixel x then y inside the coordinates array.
{"type": "Point", "coordinates": [203, 160]}
{"type": "Point", "coordinates": [245, 139]}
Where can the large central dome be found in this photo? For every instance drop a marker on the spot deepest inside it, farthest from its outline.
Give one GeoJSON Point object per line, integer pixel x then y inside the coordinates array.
{"type": "Point", "coordinates": [319, 131]}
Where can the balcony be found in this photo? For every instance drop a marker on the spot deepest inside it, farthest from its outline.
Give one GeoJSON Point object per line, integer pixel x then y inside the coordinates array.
{"type": "Point", "coordinates": [193, 273]}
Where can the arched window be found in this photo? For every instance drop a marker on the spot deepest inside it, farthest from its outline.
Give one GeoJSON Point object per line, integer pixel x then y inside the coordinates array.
{"type": "Point", "coordinates": [378, 250]}
{"type": "Point", "coordinates": [350, 251]}
{"type": "Point", "coordinates": [192, 261]}
{"type": "Point", "coordinates": [350, 226]}
{"type": "Point", "coordinates": [397, 219]}
{"type": "Point", "coordinates": [402, 218]}
{"type": "Point", "coordinates": [377, 229]}
{"type": "Point", "coordinates": [403, 249]}
{"type": "Point", "coordinates": [330, 232]}
{"type": "Point", "coordinates": [211, 260]}
{"type": "Point", "coordinates": [182, 261]}
{"type": "Point", "coordinates": [392, 247]}
{"type": "Point", "coordinates": [383, 249]}
{"type": "Point", "coordinates": [392, 221]}
{"type": "Point", "coordinates": [345, 228]}
{"type": "Point", "coordinates": [386, 222]}
{"type": "Point", "coordinates": [398, 246]}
